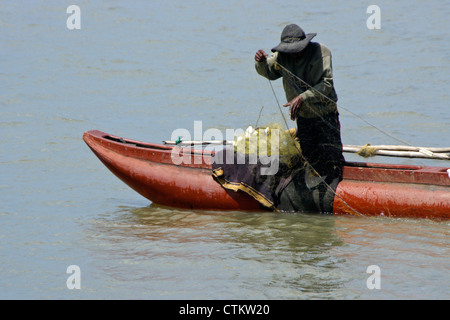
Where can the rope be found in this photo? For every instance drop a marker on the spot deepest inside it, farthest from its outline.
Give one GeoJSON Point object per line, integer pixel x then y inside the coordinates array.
{"type": "Point", "coordinates": [259, 116]}
{"type": "Point", "coordinates": [304, 83]}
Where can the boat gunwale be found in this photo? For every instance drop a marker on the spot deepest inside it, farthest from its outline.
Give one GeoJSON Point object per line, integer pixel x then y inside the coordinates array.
{"type": "Point", "coordinates": [150, 151]}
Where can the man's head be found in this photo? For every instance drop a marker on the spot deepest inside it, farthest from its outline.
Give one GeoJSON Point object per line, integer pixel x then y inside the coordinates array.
{"type": "Point", "coordinates": [293, 40]}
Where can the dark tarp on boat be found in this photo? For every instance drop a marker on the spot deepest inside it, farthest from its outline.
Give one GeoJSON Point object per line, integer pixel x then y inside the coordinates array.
{"type": "Point", "coordinates": [293, 188]}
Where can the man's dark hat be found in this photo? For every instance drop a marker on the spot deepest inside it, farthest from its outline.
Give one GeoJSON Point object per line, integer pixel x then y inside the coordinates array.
{"type": "Point", "coordinates": [293, 39]}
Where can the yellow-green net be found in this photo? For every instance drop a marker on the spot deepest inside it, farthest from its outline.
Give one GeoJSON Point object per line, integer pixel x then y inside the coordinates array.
{"type": "Point", "coordinates": [267, 141]}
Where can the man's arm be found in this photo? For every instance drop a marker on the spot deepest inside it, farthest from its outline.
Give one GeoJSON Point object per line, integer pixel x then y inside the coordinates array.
{"type": "Point", "coordinates": [265, 66]}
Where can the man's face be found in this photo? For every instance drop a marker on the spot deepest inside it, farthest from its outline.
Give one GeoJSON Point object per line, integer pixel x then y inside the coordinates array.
{"type": "Point", "coordinates": [296, 55]}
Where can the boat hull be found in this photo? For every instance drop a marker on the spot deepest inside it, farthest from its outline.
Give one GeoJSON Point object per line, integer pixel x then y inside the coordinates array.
{"type": "Point", "coordinates": [149, 170]}
{"type": "Point", "coordinates": [366, 189]}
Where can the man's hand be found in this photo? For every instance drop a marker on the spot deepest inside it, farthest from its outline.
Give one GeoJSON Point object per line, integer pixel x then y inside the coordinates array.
{"type": "Point", "coordinates": [294, 106]}
{"type": "Point", "coordinates": [261, 56]}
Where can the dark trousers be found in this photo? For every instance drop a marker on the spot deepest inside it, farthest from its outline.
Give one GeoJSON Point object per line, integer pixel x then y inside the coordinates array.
{"type": "Point", "coordinates": [321, 144]}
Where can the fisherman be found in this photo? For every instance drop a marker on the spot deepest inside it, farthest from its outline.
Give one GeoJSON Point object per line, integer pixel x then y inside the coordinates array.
{"type": "Point", "coordinates": [307, 74]}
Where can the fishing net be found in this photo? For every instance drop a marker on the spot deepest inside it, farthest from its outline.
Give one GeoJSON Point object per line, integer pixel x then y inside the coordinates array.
{"type": "Point", "coordinates": [269, 140]}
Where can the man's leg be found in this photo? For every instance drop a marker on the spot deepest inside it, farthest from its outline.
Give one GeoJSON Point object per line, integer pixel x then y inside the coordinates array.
{"type": "Point", "coordinates": [320, 141]}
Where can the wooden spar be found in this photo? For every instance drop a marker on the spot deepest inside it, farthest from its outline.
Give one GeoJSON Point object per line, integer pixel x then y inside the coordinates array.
{"type": "Point", "coordinates": [402, 148]}
{"type": "Point", "coordinates": [421, 153]}
{"type": "Point", "coordinates": [377, 150]}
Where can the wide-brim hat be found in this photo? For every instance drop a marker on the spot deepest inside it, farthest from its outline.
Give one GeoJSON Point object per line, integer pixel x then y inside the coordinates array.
{"type": "Point", "coordinates": [293, 39]}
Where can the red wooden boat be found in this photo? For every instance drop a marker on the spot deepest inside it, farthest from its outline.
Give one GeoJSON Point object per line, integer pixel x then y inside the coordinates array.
{"type": "Point", "coordinates": [367, 188]}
